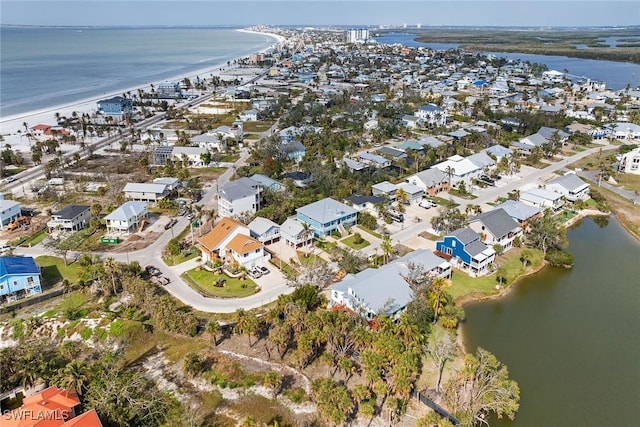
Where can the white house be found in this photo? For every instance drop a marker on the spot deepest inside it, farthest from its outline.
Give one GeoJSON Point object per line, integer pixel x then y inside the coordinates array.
{"type": "Point", "coordinates": [630, 162]}
{"type": "Point", "coordinates": [129, 216]}
{"type": "Point", "coordinates": [414, 193]}
{"type": "Point", "coordinates": [71, 218]}
{"type": "Point", "coordinates": [211, 140]}
{"type": "Point", "coordinates": [146, 192]}
{"type": "Point", "coordinates": [192, 156]}
{"type": "Point", "coordinates": [432, 114]}
{"type": "Point", "coordinates": [385, 290]}
{"type": "Point", "coordinates": [541, 198]}
{"type": "Point", "coordinates": [570, 186]}
{"type": "Point", "coordinates": [293, 233]}
{"type": "Point", "coordinates": [230, 241]}
{"type": "Point", "coordinates": [239, 197]}
{"type": "Point", "coordinates": [496, 227]}
{"type": "Point", "coordinates": [460, 169]}
{"type": "Point", "coordinates": [625, 131]}
{"type": "Point", "coordinates": [264, 230]}
{"type": "Point", "coordinates": [249, 116]}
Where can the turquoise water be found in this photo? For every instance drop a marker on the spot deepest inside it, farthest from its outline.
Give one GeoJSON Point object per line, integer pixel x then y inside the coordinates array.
{"type": "Point", "coordinates": [46, 67]}
{"type": "Point", "coordinates": [571, 338]}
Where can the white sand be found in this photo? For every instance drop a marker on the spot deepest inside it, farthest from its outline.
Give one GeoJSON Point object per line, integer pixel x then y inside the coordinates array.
{"type": "Point", "coordinates": [12, 128]}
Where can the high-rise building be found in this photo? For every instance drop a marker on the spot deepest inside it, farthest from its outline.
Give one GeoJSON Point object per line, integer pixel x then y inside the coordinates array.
{"type": "Point", "coordinates": [354, 35]}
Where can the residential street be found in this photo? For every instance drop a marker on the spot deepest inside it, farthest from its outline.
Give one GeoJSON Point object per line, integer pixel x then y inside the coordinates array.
{"type": "Point", "coordinates": [274, 283]}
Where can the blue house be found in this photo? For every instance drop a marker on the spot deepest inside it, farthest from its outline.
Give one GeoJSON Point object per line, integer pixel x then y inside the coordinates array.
{"type": "Point", "coordinates": [19, 277]}
{"type": "Point", "coordinates": [467, 251]}
{"type": "Point", "coordinates": [293, 150]}
{"type": "Point", "coordinates": [326, 216]}
{"type": "Point", "coordinates": [118, 106]}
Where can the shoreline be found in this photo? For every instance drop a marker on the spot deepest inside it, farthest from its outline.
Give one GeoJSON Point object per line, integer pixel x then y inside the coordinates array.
{"type": "Point", "coordinates": [475, 298]}
{"type": "Point", "coordinates": [10, 125]}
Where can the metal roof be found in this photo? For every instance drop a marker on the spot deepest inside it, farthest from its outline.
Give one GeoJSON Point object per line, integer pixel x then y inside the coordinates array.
{"type": "Point", "coordinates": [498, 221]}
{"type": "Point", "coordinates": [326, 210]}
{"type": "Point", "coordinates": [18, 265]}
{"type": "Point", "coordinates": [71, 211]}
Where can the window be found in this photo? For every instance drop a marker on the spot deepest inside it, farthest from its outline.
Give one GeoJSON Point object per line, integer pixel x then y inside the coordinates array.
{"type": "Point", "coordinates": [30, 280]}
{"type": "Point", "coordinates": [15, 283]}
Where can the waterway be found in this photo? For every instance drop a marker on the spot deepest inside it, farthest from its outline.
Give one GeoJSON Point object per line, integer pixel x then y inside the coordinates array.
{"type": "Point", "coordinates": [571, 338]}
{"type": "Point", "coordinates": [616, 74]}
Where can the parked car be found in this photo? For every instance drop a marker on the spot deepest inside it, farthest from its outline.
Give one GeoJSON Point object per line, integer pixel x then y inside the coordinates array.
{"type": "Point", "coordinates": [424, 203]}
{"type": "Point", "coordinates": [170, 224]}
{"type": "Point", "coordinates": [191, 216]}
{"type": "Point", "coordinates": [254, 274]}
{"type": "Point", "coordinates": [264, 270]}
{"type": "Point", "coordinates": [152, 270]}
{"type": "Point", "coordinates": [5, 248]}
{"type": "Point", "coordinates": [395, 215]}
{"type": "Point", "coordinates": [486, 179]}
{"type": "Point", "coordinates": [181, 212]}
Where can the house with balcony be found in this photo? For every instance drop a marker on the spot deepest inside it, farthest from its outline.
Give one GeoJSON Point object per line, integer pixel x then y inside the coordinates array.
{"type": "Point", "coordinates": [239, 197]}
{"type": "Point", "coordinates": [230, 241]}
{"type": "Point", "coordinates": [385, 290]}
{"type": "Point", "coordinates": [327, 216]}
{"type": "Point", "coordinates": [264, 230]}
{"type": "Point", "coordinates": [630, 162]}
{"type": "Point", "coordinates": [249, 116]}
{"type": "Point", "coordinates": [145, 192]}
{"type": "Point", "coordinates": [189, 156]}
{"type": "Point", "coordinates": [386, 189]}
{"type": "Point", "coordinates": [459, 169]}
{"type": "Point", "coordinates": [169, 90]}
{"type": "Point", "coordinates": [432, 114]}
{"type": "Point", "coordinates": [374, 160]}
{"type": "Point", "coordinates": [570, 186]}
{"type": "Point", "coordinates": [210, 140]}
{"type": "Point", "coordinates": [520, 212]}
{"type": "Point", "coordinates": [433, 181]}
{"type": "Point", "coordinates": [127, 218]}
{"type": "Point", "coordinates": [19, 277]}
{"type": "Point", "coordinates": [293, 233]}
{"type": "Point", "coordinates": [71, 218]}
{"type": "Point", "coordinates": [541, 198]}
{"type": "Point", "coordinates": [496, 227]}
{"type": "Point", "coordinates": [118, 107]}
{"type": "Point", "coordinates": [293, 150]}
{"type": "Point", "coordinates": [467, 251]}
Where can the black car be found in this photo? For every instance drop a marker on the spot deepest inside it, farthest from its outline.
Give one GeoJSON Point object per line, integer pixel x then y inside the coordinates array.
{"type": "Point", "coordinates": [152, 270]}
{"type": "Point", "coordinates": [264, 270]}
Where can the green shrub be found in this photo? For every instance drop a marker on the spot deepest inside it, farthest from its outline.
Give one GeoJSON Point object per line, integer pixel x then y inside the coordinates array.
{"type": "Point", "coordinates": [559, 258]}
{"type": "Point", "coordinates": [116, 328]}
{"type": "Point", "coordinates": [296, 395]}
{"type": "Point", "coordinates": [18, 329]}
{"type": "Point", "coordinates": [86, 333]}
{"type": "Point", "coordinates": [100, 334]}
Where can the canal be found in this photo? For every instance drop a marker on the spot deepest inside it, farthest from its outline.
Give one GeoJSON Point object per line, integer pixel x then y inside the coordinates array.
{"type": "Point", "coordinates": [571, 338]}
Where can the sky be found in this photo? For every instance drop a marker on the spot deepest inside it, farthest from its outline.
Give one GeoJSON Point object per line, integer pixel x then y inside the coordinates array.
{"type": "Point", "coordinates": [538, 13]}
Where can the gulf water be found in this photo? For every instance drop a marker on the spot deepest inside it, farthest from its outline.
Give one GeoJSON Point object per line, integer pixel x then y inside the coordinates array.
{"type": "Point", "coordinates": [43, 67]}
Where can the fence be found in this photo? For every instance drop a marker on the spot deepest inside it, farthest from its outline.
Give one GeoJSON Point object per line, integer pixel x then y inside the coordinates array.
{"type": "Point", "coordinates": [436, 408]}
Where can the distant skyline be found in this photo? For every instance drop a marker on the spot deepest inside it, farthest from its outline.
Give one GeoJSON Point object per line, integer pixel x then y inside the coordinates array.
{"type": "Point", "coordinates": [536, 13]}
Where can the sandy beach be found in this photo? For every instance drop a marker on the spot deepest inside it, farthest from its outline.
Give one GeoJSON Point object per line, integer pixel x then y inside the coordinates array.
{"type": "Point", "coordinates": [12, 127]}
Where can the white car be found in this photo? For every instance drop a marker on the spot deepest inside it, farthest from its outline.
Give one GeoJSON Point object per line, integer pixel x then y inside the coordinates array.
{"type": "Point", "coordinates": [5, 248]}
{"type": "Point", "coordinates": [424, 203]}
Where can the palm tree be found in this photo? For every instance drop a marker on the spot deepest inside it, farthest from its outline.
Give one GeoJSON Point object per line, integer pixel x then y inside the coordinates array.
{"type": "Point", "coordinates": [307, 234]}
{"type": "Point", "coordinates": [213, 328]}
{"type": "Point", "coordinates": [436, 292]}
{"type": "Point", "coordinates": [387, 247]}
{"type": "Point", "coordinates": [74, 377]}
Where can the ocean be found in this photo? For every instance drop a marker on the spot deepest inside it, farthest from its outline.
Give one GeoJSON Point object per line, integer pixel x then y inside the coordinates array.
{"type": "Point", "coordinates": [44, 67]}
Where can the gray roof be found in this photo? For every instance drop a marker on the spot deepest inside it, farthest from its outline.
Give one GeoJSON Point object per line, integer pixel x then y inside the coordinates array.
{"type": "Point", "coordinates": [385, 187]}
{"type": "Point", "coordinates": [432, 177]}
{"type": "Point", "coordinates": [518, 210]}
{"type": "Point", "coordinates": [374, 158]}
{"type": "Point", "coordinates": [261, 225]}
{"type": "Point", "coordinates": [354, 164]}
{"type": "Point", "coordinates": [384, 287]}
{"type": "Point", "coordinates": [361, 200]}
{"type": "Point", "coordinates": [570, 181]}
{"type": "Point", "coordinates": [548, 132]}
{"type": "Point", "coordinates": [71, 211]}
{"type": "Point", "coordinates": [267, 182]}
{"type": "Point", "coordinates": [431, 141]}
{"type": "Point", "coordinates": [474, 248]}
{"type": "Point", "coordinates": [481, 159]}
{"type": "Point", "coordinates": [392, 152]}
{"type": "Point", "coordinates": [291, 227]}
{"type": "Point", "coordinates": [536, 140]}
{"type": "Point", "coordinates": [498, 151]}
{"type": "Point", "coordinates": [326, 210]}
{"type": "Point", "coordinates": [188, 151]}
{"type": "Point", "coordinates": [127, 210]}
{"type": "Point", "coordinates": [498, 221]}
{"type": "Point", "coordinates": [147, 187]}
{"type": "Point", "coordinates": [466, 235]}
{"type": "Point", "coordinates": [239, 189]}
{"type": "Point", "coordinates": [166, 180]}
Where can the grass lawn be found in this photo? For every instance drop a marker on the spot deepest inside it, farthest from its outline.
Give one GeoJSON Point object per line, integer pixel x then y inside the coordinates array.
{"type": "Point", "coordinates": [368, 230]}
{"type": "Point", "coordinates": [257, 126]}
{"type": "Point", "coordinates": [592, 203]}
{"type": "Point", "coordinates": [35, 238]}
{"type": "Point", "coordinates": [566, 215]}
{"type": "Point", "coordinates": [463, 284]}
{"type": "Point", "coordinates": [54, 270]}
{"type": "Point", "coordinates": [204, 281]}
{"type": "Point", "coordinates": [308, 260]}
{"type": "Point", "coordinates": [229, 158]}
{"type": "Point", "coordinates": [285, 268]}
{"type": "Point", "coordinates": [180, 258]}
{"type": "Point", "coordinates": [444, 202]}
{"type": "Point", "coordinates": [628, 181]}
{"type": "Point", "coordinates": [457, 193]}
{"type": "Point", "coordinates": [350, 241]}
